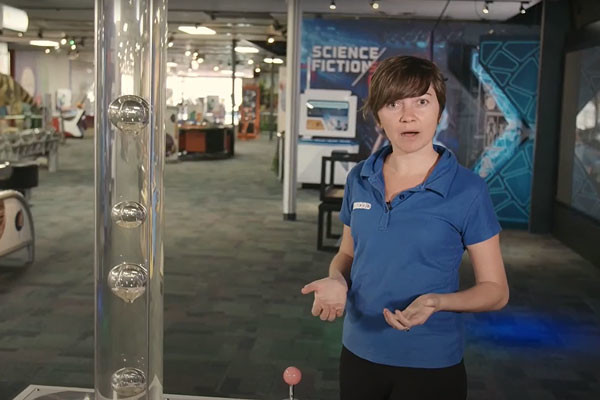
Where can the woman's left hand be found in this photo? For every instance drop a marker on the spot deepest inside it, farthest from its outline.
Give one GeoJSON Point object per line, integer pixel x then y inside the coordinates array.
{"type": "Point", "coordinates": [417, 313]}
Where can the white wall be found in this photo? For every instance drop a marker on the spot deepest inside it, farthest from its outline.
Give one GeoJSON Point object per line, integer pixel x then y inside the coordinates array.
{"type": "Point", "coordinates": [82, 79]}
{"type": "Point", "coordinates": [41, 73]}
{"type": "Point", "coordinates": [190, 88]}
{"type": "Point", "coordinates": [4, 59]}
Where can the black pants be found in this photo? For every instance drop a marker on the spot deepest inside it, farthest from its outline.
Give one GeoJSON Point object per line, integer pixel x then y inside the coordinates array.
{"type": "Point", "coordinates": [363, 380]}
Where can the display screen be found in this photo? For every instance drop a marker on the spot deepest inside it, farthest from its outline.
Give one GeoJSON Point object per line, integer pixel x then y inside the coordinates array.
{"type": "Point", "coordinates": [327, 115]}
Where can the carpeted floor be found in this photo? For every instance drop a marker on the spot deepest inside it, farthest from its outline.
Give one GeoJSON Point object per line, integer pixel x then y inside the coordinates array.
{"type": "Point", "coordinates": [234, 315]}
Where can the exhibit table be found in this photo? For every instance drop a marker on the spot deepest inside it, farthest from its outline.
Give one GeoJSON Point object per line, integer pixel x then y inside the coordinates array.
{"type": "Point", "coordinates": [38, 392]}
{"type": "Point", "coordinates": [203, 142]}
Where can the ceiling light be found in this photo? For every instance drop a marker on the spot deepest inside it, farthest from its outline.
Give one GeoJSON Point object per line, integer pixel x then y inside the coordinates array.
{"type": "Point", "coordinates": [199, 60]}
{"type": "Point", "coordinates": [245, 49]}
{"type": "Point", "coordinates": [20, 34]}
{"type": "Point", "coordinates": [270, 39]}
{"type": "Point", "coordinates": [332, 5]}
{"type": "Point", "coordinates": [73, 46]}
{"type": "Point", "coordinates": [250, 61]}
{"type": "Point", "coordinates": [47, 51]}
{"type": "Point", "coordinates": [188, 53]}
{"type": "Point", "coordinates": [43, 43]}
{"type": "Point", "coordinates": [270, 60]}
{"type": "Point", "coordinates": [216, 68]}
{"type": "Point", "coordinates": [195, 65]}
{"type": "Point", "coordinates": [522, 9]}
{"type": "Point", "coordinates": [171, 64]}
{"type": "Point", "coordinates": [486, 10]}
{"type": "Point", "coordinates": [170, 44]}
{"type": "Point", "coordinates": [195, 54]}
{"type": "Point", "coordinates": [63, 41]}
{"type": "Point", "coordinates": [196, 30]}
{"type": "Point", "coordinates": [257, 70]}
{"type": "Point", "coordinates": [375, 4]}
{"type": "Point", "coordinates": [229, 72]}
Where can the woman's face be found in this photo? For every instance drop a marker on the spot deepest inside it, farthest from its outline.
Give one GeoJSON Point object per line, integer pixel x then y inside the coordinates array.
{"type": "Point", "coordinates": [410, 123]}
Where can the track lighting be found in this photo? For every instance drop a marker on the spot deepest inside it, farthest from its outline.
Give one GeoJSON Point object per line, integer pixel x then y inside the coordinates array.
{"type": "Point", "coordinates": [486, 9]}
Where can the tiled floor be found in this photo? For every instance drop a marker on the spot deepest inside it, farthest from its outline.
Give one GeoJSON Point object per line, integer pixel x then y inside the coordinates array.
{"type": "Point", "coordinates": [234, 315]}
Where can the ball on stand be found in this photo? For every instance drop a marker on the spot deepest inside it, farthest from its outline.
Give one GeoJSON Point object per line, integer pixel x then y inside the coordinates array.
{"type": "Point", "coordinates": [292, 376]}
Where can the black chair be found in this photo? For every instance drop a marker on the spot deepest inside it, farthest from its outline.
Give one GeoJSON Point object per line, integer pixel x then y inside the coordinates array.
{"type": "Point", "coordinates": [22, 176]}
{"type": "Point", "coordinates": [331, 196]}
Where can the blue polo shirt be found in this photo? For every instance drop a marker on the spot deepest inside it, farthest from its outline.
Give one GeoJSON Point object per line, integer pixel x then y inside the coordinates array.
{"type": "Point", "coordinates": [410, 247]}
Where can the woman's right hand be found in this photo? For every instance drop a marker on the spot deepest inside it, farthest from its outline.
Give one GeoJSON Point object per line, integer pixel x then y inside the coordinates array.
{"type": "Point", "coordinates": [330, 297]}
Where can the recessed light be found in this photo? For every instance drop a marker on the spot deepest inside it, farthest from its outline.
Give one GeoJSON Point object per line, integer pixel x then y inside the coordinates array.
{"type": "Point", "coordinates": [196, 30]}
{"type": "Point", "coordinates": [43, 43]}
{"type": "Point", "coordinates": [246, 49]}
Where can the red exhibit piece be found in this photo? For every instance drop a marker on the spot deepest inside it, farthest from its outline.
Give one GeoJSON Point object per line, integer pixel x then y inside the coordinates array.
{"type": "Point", "coordinates": [292, 376]}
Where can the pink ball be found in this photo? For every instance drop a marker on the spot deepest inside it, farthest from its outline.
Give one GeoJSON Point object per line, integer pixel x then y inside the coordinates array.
{"type": "Point", "coordinates": [292, 376]}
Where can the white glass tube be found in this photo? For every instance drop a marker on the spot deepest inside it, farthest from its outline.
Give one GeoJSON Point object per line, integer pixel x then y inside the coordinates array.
{"type": "Point", "coordinates": [131, 37]}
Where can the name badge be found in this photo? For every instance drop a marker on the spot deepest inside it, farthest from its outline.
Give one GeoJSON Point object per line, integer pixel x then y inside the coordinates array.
{"type": "Point", "coordinates": [360, 205]}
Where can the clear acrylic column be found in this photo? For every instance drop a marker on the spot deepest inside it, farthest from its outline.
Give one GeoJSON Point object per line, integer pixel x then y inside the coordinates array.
{"type": "Point", "coordinates": [131, 37]}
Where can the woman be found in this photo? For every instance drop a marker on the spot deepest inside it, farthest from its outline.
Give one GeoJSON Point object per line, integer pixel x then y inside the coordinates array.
{"type": "Point", "coordinates": [409, 212]}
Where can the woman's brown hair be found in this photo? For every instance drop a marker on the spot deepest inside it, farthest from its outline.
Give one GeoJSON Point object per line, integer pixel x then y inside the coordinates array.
{"type": "Point", "coordinates": [401, 77]}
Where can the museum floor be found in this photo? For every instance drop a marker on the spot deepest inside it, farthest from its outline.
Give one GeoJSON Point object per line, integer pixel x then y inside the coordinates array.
{"type": "Point", "coordinates": [234, 315]}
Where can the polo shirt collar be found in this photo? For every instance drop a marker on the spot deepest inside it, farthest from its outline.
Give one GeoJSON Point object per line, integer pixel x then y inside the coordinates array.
{"type": "Point", "coordinates": [439, 180]}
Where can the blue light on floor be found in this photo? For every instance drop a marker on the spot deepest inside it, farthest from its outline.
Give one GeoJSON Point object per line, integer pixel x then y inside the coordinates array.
{"type": "Point", "coordinates": [507, 329]}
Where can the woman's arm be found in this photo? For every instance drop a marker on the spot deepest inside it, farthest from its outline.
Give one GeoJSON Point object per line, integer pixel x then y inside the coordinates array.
{"type": "Point", "coordinates": [330, 293]}
{"type": "Point", "coordinates": [490, 291]}
{"type": "Point", "coordinates": [342, 261]}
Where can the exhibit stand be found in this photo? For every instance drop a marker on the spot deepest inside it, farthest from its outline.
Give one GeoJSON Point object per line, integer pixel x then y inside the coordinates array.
{"type": "Point", "coordinates": [327, 124]}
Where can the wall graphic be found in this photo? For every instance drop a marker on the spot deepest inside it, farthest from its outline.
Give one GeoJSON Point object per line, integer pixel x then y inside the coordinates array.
{"type": "Point", "coordinates": [491, 89]}
{"type": "Point", "coordinates": [509, 69]}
